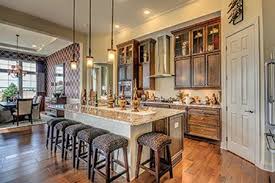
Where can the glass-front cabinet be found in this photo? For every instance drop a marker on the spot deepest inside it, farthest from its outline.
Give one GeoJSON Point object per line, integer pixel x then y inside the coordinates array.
{"type": "Point", "coordinates": [213, 37]}
{"type": "Point", "coordinates": [198, 40]}
{"type": "Point", "coordinates": [182, 44]}
{"type": "Point", "coordinates": [197, 56]}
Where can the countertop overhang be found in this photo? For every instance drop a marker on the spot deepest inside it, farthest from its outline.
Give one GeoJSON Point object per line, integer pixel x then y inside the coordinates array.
{"type": "Point", "coordinates": [147, 115]}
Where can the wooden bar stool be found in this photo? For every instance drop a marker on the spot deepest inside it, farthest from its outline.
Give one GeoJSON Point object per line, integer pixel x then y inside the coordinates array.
{"type": "Point", "coordinates": [50, 132]}
{"type": "Point", "coordinates": [156, 142]}
{"type": "Point", "coordinates": [107, 144]}
{"type": "Point", "coordinates": [60, 128]}
{"type": "Point", "coordinates": [71, 134]}
{"type": "Point", "coordinates": [85, 139]}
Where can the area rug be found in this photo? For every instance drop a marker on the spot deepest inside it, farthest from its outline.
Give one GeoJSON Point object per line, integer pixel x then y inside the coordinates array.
{"type": "Point", "coordinates": [25, 123]}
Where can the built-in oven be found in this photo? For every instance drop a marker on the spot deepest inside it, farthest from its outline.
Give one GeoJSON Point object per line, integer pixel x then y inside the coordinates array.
{"type": "Point", "coordinates": [127, 87]}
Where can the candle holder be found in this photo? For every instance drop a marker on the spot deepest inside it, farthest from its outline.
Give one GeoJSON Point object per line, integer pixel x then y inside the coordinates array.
{"type": "Point", "coordinates": [122, 101]}
{"type": "Point", "coordinates": [135, 101]}
{"type": "Point", "coordinates": [84, 97]}
{"type": "Point", "coordinates": [110, 99]}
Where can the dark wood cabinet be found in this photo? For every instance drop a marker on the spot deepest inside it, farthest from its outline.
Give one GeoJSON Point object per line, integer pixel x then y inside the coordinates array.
{"type": "Point", "coordinates": [146, 53]}
{"type": "Point", "coordinates": [200, 45]}
{"type": "Point", "coordinates": [173, 127]}
{"type": "Point", "coordinates": [201, 121]}
{"type": "Point", "coordinates": [183, 73]}
{"type": "Point", "coordinates": [199, 71]}
{"type": "Point", "coordinates": [127, 66]}
{"type": "Point", "coordinates": [204, 122]}
{"type": "Point", "coordinates": [213, 70]}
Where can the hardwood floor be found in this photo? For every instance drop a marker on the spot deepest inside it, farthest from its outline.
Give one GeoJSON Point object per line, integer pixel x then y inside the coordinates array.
{"type": "Point", "coordinates": [24, 158]}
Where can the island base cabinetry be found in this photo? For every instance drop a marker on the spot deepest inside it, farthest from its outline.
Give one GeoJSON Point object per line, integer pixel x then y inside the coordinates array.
{"type": "Point", "coordinates": [174, 128]}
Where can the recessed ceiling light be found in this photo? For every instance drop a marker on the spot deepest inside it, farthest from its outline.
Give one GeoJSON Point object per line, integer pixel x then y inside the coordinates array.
{"type": "Point", "coordinates": [34, 46]}
{"type": "Point", "coordinates": [117, 26]}
{"type": "Point", "coordinates": [146, 12]}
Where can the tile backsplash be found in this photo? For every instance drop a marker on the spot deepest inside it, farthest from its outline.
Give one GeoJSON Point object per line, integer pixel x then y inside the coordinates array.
{"type": "Point", "coordinates": [165, 88]}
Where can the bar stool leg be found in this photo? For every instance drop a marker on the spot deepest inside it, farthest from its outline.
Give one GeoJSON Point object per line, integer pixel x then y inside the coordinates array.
{"type": "Point", "coordinates": [66, 146]}
{"type": "Point", "coordinates": [157, 166]}
{"type": "Point", "coordinates": [48, 136]}
{"type": "Point", "coordinates": [107, 167]}
{"type": "Point", "coordinates": [63, 145]}
{"type": "Point", "coordinates": [74, 150]}
{"type": "Point", "coordinates": [94, 163]}
{"type": "Point", "coordinates": [56, 140]}
{"type": "Point", "coordinates": [140, 147]}
{"type": "Point", "coordinates": [78, 153]}
{"type": "Point", "coordinates": [89, 148]}
{"type": "Point", "coordinates": [52, 137]}
{"type": "Point", "coordinates": [169, 161]}
{"type": "Point", "coordinates": [126, 164]}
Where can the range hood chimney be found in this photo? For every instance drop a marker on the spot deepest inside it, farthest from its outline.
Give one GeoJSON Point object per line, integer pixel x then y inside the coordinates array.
{"type": "Point", "coordinates": [163, 57]}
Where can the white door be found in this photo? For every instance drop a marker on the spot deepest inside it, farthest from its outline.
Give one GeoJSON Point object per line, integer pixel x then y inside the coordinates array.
{"type": "Point", "coordinates": [241, 82]}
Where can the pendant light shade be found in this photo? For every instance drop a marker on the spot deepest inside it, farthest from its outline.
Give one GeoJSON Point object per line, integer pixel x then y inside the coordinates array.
{"type": "Point", "coordinates": [112, 51]}
{"type": "Point", "coordinates": [90, 58]}
{"type": "Point", "coordinates": [111, 55]}
{"type": "Point", "coordinates": [73, 63]}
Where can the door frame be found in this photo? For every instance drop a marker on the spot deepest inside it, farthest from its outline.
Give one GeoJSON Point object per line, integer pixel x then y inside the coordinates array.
{"type": "Point", "coordinates": [253, 22]}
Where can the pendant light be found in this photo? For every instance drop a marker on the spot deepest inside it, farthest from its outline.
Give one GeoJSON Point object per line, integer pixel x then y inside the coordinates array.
{"type": "Point", "coordinates": [90, 58]}
{"type": "Point", "coordinates": [73, 61]}
{"type": "Point", "coordinates": [111, 51]}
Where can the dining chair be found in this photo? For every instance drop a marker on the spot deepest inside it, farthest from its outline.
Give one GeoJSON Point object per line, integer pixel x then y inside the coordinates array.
{"type": "Point", "coordinates": [36, 108]}
{"type": "Point", "coordinates": [23, 108]}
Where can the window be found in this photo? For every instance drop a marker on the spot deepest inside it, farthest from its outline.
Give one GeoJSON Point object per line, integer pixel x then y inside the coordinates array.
{"type": "Point", "coordinates": [29, 80]}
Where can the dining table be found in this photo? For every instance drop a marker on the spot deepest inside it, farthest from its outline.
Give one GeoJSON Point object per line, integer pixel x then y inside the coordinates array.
{"type": "Point", "coordinates": [12, 105]}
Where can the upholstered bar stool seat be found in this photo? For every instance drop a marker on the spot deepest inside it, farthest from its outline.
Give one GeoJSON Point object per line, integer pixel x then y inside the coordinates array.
{"type": "Point", "coordinates": [154, 141]}
{"type": "Point", "coordinates": [50, 132]}
{"type": "Point", "coordinates": [60, 127]}
{"type": "Point", "coordinates": [106, 144]}
{"type": "Point", "coordinates": [71, 134]}
{"type": "Point", "coordinates": [85, 138]}
{"type": "Point", "coordinates": [157, 142]}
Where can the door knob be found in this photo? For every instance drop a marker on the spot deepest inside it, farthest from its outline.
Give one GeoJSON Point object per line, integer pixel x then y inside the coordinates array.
{"type": "Point", "coordinates": [250, 111]}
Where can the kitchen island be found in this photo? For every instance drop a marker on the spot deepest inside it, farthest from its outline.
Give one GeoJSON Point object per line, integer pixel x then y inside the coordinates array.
{"type": "Point", "coordinates": [133, 124]}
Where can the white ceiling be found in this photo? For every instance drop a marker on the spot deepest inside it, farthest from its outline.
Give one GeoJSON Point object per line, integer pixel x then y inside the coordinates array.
{"type": "Point", "coordinates": [129, 13]}
{"type": "Point", "coordinates": [45, 45]}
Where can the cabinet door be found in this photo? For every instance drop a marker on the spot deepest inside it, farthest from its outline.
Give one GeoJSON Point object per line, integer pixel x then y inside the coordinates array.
{"type": "Point", "coordinates": [129, 72]}
{"type": "Point", "coordinates": [199, 71]}
{"type": "Point", "coordinates": [214, 70]}
{"type": "Point", "coordinates": [145, 76]}
{"type": "Point", "coordinates": [122, 73]}
{"type": "Point", "coordinates": [182, 71]}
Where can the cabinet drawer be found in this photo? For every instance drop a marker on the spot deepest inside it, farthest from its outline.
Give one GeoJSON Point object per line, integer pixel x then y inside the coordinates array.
{"type": "Point", "coordinates": [204, 111]}
{"type": "Point", "coordinates": [205, 120]}
{"type": "Point", "coordinates": [211, 133]}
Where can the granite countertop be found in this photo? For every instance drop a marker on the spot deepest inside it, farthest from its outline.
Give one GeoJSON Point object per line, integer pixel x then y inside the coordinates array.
{"type": "Point", "coordinates": [180, 104]}
{"type": "Point", "coordinates": [146, 115]}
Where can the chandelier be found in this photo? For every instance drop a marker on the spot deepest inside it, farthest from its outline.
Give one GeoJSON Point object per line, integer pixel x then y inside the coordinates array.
{"type": "Point", "coordinates": [16, 70]}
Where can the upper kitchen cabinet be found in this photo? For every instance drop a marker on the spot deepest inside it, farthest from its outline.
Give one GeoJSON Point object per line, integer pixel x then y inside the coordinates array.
{"type": "Point", "coordinates": [182, 44]}
{"type": "Point", "coordinates": [127, 66]}
{"type": "Point", "coordinates": [213, 37]}
{"type": "Point", "coordinates": [146, 51]}
{"type": "Point", "coordinates": [213, 62]}
{"type": "Point", "coordinates": [183, 73]}
{"type": "Point", "coordinates": [197, 56]}
{"type": "Point", "coordinates": [198, 41]}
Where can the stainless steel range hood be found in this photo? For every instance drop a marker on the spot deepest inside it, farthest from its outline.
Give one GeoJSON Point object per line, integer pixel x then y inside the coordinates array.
{"type": "Point", "coordinates": [163, 58]}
